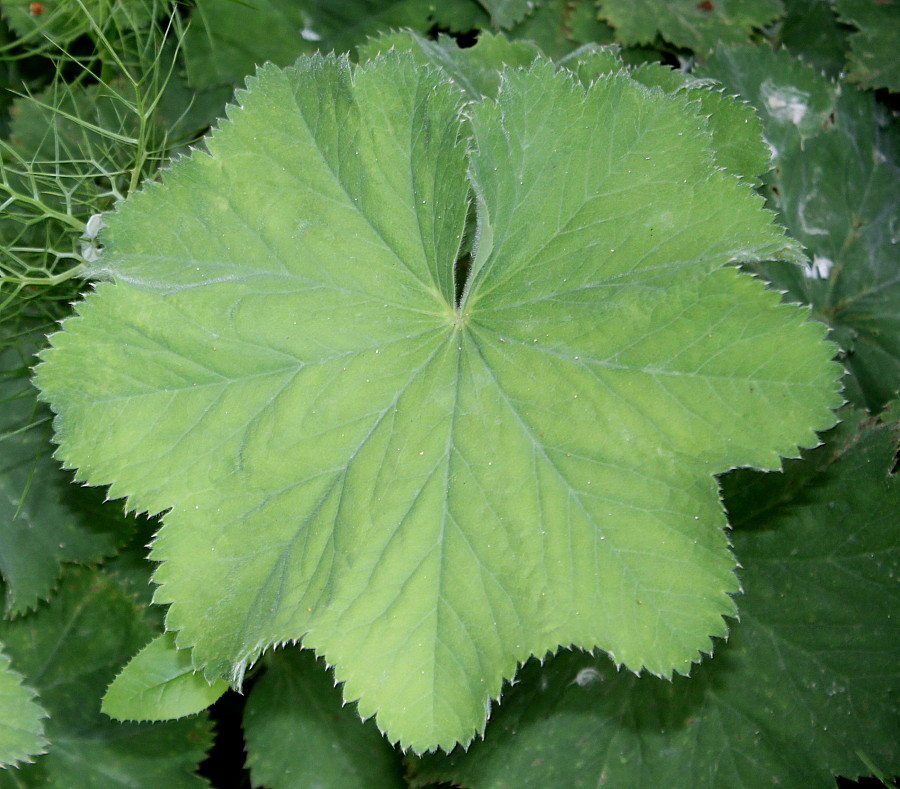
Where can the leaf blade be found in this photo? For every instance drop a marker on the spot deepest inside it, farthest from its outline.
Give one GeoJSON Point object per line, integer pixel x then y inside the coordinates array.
{"type": "Point", "coordinates": [159, 683]}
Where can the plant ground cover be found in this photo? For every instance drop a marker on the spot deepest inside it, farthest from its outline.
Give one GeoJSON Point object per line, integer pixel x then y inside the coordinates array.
{"type": "Point", "coordinates": [533, 365]}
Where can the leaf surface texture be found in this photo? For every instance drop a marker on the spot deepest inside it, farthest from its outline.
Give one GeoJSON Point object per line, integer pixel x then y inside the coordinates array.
{"type": "Point", "coordinates": [427, 471]}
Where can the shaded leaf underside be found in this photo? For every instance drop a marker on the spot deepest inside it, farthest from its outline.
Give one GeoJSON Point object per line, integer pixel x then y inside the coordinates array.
{"type": "Point", "coordinates": [428, 493]}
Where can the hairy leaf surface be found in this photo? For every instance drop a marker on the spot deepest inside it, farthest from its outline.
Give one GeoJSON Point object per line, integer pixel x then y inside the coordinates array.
{"type": "Point", "coordinates": [429, 472]}
{"type": "Point", "coordinates": [806, 687]}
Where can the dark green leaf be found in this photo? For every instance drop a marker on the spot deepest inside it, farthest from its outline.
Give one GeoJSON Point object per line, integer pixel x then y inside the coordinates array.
{"type": "Point", "coordinates": [810, 30]}
{"type": "Point", "coordinates": [227, 40]}
{"type": "Point", "coordinates": [427, 479]}
{"type": "Point", "coordinates": [505, 13]}
{"type": "Point", "coordinates": [836, 186]}
{"type": "Point", "coordinates": [560, 26]}
{"type": "Point", "coordinates": [299, 733]}
{"type": "Point", "coordinates": [44, 519]}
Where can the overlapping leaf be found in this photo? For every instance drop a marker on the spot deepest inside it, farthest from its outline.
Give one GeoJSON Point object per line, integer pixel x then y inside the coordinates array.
{"type": "Point", "coordinates": [836, 185]}
{"type": "Point", "coordinates": [429, 472]}
{"type": "Point", "coordinates": [810, 30]}
{"type": "Point", "coordinates": [505, 13]}
{"type": "Point", "coordinates": [476, 69]}
{"type": "Point", "coordinates": [44, 520]}
{"type": "Point", "coordinates": [69, 650]}
{"type": "Point", "coordinates": [62, 21]}
{"type": "Point", "coordinates": [806, 687]}
{"type": "Point", "coordinates": [227, 39]}
{"type": "Point", "coordinates": [873, 48]}
{"type": "Point", "coordinates": [21, 719]}
{"type": "Point", "coordinates": [298, 733]}
{"type": "Point", "coordinates": [159, 683]}
{"type": "Point", "coordinates": [560, 26]}
{"type": "Point", "coordinates": [734, 127]}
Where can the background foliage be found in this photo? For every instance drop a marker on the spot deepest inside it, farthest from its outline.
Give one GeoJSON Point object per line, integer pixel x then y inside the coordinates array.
{"type": "Point", "coordinates": [100, 95]}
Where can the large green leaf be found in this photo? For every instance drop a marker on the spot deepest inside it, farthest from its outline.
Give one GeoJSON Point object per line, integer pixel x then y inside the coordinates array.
{"type": "Point", "coordinates": [687, 23]}
{"type": "Point", "coordinates": [873, 48]}
{"type": "Point", "coordinates": [21, 719]}
{"type": "Point", "coordinates": [44, 520]}
{"type": "Point", "coordinates": [69, 650]}
{"type": "Point", "coordinates": [806, 687]}
{"type": "Point", "coordinates": [299, 734]}
{"type": "Point", "coordinates": [429, 474]}
{"type": "Point", "coordinates": [836, 185]}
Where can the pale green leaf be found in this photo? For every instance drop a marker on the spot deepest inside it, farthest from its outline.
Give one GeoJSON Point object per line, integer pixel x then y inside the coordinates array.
{"type": "Point", "coordinates": [794, 102]}
{"type": "Point", "coordinates": [805, 688]}
{"type": "Point", "coordinates": [68, 651]}
{"type": "Point", "coordinates": [429, 472]}
{"type": "Point", "coordinates": [560, 26]}
{"type": "Point", "coordinates": [21, 719]}
{"type": "Point", "coordinates": [590, 61]}
{"type": "Point", "coordinates": [687, 23]}
{"type": "Point", "coordinates": [873, 48]}
{"type": "Point", "coordinates": [159, 683]}
{"type": "Point", "coordinates": [299, 734]}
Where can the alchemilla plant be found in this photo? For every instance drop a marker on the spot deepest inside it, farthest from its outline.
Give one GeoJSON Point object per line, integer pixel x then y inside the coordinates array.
{"type": "Point", "coordinates": [450, 359]}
